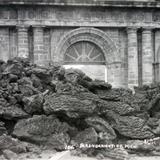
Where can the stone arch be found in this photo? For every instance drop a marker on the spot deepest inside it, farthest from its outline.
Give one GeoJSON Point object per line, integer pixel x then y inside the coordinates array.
{"type": "Point", "coordinates": [84, 52]}
{"type": "Point", "coordinates": [93, 35]}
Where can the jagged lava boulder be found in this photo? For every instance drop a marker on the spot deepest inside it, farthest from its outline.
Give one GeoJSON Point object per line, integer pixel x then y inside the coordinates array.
{"type": "Point", "coordinates": [106, 132]}
{"type": "Point", "coordinates": [41, 129]}
{"type": "Point", "coordinates": [130, 126]}
{"type": "Point", "coordinates": [77, 105]}
{"type": "Point", "coordinates": [88, 136]}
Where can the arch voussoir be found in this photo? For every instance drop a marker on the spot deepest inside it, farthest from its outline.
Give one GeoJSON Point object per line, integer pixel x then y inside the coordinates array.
{"type": "Point", "coordinates": [96, 36]}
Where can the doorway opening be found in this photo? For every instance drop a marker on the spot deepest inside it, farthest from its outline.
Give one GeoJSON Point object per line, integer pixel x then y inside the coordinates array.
{"type": "Point", "coordinates": [96, 72]}
{"type": "Point", "coordinates": [87, 57]}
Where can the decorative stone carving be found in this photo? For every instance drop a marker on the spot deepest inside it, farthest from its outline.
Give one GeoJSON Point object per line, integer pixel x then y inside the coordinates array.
{"type": "Point", "coordinates": [156, 16]}
{"type": "Point", "coordinates": [92, 35]}
{"type": "Point", "coordinates": [31, 14]}
{"type": "Point", "coordinates": [82, 52]}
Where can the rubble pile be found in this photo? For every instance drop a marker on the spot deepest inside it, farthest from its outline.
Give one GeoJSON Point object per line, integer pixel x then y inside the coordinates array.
{"type": "Point", "coordinates": [57, 108]}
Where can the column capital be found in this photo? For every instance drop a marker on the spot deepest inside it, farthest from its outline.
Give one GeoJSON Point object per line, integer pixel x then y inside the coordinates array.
{"type": "Point", "coordinates": [22, 27]}
{"type": "Point", "coordinates": [132, 29]}
{"type": "Point", "coordinates": [38, 26]}
{"type": "Point", "coordinates": [147, 30]}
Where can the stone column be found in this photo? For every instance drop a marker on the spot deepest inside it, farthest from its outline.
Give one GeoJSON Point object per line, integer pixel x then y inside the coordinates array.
{"type": "Point", "coordinates": [147, 56]}
{"type": "Point", "coordinates": [4, 44]}
{"type": "Point", "coordinates": [156, 66]}
{"type": "Point", "coordinates": [38, 45]}
{"type": "Point", "coordinates": [132, 57]}
{"type": "Point", "coordinates": [23, 47]}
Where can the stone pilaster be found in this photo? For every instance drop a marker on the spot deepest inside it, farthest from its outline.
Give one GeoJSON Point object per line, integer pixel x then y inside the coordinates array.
{"type": "Point", "coordinates": [4, 44]}
{"type": "Point", "coordinates": [132, 58]}
{"type": "Point", "coordinates": [147, 56]}
{"type": "Point", "coordinates": [23, 47]}
{"type": "Point", "coordinates": [38, 45]}
{"type": "Point", "coordinates": [156, 65]}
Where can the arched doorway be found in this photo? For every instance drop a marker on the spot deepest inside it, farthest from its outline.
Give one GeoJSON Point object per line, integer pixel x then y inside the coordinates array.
{"type": "Point", "coordinates": [91, 46]}
{"type": "Point", "coordinates": [87, 57]}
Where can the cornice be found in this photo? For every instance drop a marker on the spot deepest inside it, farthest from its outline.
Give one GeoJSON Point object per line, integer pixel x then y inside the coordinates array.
{"type": "Point", "coordinates": [100, 3]}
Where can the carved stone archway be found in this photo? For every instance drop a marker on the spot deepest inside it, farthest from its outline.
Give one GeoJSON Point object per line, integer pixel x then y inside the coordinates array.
{"type": "Point", "coordinates": [108, 51]}
{"type": "Point", "coordinates": [84, 52]}
{"type": "Point", "coordinates": [89, 35]}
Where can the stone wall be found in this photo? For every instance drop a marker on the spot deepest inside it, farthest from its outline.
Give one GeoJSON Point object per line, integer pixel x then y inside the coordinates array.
{"type": "Point", "coordinates": [56, 34]}
{"type": "Point", "coordinates": [102, 3]}
{"type": "Point", "coordinates": [128, 37]}
{"type": "Point", "coordinates": [79, 16]}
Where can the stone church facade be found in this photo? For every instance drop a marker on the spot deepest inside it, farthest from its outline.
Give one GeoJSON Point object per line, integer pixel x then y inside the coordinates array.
{"type": "Point", "coordinates": [124, 36]}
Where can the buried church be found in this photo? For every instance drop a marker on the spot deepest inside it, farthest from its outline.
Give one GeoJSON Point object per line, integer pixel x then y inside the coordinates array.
{"type": "Point", "coordinates": [116, 41]}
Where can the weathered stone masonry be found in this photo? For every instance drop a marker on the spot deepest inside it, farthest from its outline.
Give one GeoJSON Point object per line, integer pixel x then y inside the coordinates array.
{"type": "Point", "coordinates": [127, 34]}
{"type": "Point", "coordinates": [23, 48]}
{"type": "Point", "coordinates": [132, 57]}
